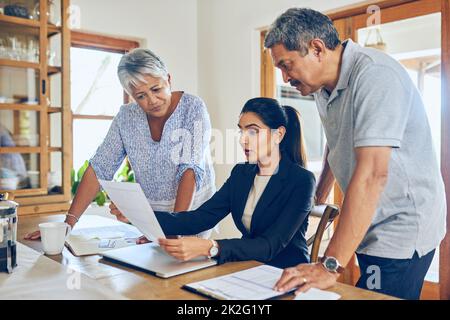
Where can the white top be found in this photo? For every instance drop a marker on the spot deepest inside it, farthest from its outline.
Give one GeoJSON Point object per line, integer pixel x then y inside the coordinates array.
{"type": "Point", "coordinates": [259, 184]}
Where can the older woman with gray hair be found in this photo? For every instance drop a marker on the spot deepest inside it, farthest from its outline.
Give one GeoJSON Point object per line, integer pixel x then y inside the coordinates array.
{"type": "Point", "coordinates": [165, 136]}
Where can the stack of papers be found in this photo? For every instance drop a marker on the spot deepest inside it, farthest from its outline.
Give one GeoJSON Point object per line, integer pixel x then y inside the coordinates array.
{"type": "Point", "coordinates": [252, 284]}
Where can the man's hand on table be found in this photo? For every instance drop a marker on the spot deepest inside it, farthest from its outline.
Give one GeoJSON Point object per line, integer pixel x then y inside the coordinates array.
{"type": "Point", "coordinates": [306, 276]}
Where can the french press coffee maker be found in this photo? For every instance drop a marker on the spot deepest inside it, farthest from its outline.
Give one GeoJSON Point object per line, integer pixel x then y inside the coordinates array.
{"type": "Point", "coordinates": [8, 233]}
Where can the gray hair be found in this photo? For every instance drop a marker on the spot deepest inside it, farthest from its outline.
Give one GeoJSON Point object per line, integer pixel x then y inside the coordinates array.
{"type": "Point", "coordinates": [298, 26]}
{"type": "Point", "coordinates": [139, 63]}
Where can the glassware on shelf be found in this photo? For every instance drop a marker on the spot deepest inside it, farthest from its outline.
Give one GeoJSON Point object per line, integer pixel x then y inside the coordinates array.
{"type": "Point", "coordinates": [52, 13]}
{"type": "Point", "coordinates": [54, 179]}
{"type": "Point", "coordinates": [22, 51]}
{"type": "Point", "coordinates": [3, 49]}
{"type": "Point", "coordinates": [35, 13]}
{"type": "Point", "coordinates": [34, 178]}
{"type": "Point", "coordinates": [19, 48]}
{"type": "Point", "coordinates": [13, 50]}
{"type": "Point", "coordinates": [33, 51]}
{"type": "Point", "coordinates": [3, 3]}
{"type": "Point", "coordinates": [53, 16]}
{"type": "Point", "coordinates": [51, 56]}
{"type": "Point", "coordinates": [25, 87]}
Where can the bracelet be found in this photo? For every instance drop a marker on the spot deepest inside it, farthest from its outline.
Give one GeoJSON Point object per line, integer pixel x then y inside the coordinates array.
{"type": "Point", "coordinates": [72, 215]}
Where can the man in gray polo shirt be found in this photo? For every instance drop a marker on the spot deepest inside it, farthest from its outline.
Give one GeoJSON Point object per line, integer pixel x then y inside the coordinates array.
{"type": "Point", "coordinates": [380, 151]}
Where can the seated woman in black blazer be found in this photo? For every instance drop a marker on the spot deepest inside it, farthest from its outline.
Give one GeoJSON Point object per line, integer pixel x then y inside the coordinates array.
{"type": "Point", "coordinates": [273, 227]}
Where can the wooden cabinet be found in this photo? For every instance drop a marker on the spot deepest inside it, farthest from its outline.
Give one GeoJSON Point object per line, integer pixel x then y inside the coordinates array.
{"type": "Point", "coordinates": [35, 114]}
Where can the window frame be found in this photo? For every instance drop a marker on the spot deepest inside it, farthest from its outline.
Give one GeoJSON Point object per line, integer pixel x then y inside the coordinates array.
{"type": "Point", "coordinates": [99, 42]}
{"type": "Point", "coordinates": [86, 40]}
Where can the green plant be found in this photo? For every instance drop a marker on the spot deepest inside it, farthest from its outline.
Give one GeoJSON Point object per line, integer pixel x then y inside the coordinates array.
{"type": "Point", "coordinates": [124, 174]}
{"type": "Point", "coordinates": [75, 179]}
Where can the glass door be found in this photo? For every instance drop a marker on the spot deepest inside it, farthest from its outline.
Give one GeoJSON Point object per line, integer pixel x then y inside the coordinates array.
{"type": "Point", "coordinates": [34, 103]}
{"type": "Point", "coordinates": [20, 98]}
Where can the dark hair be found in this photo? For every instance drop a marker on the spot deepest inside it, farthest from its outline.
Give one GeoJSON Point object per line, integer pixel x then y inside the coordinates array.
{"type": "Point", "coordinates": [298, 26]}
{"type": "Point", "coordinates": [274, 116]}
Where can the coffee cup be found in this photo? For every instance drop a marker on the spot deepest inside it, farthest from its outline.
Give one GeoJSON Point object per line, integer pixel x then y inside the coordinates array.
{"type": "Point", "coordinates": [53, 236]}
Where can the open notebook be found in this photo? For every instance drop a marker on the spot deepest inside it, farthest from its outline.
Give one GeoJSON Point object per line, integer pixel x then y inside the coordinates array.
{"type": "Point", "coordinates": [95, 234]}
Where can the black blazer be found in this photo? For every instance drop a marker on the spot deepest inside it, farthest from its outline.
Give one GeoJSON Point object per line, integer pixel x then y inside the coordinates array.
{"type": "Point", "coordinates": [279, 222]}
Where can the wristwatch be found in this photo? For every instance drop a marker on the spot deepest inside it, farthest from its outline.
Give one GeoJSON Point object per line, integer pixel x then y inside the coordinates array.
{"type": "Point", "coordinates": [331, 264]}
{"type": "Point", "coordinates": [214, 250]}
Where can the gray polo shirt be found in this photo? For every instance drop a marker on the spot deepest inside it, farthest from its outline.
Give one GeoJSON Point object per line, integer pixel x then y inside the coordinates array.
{"type": "Point", "coordinates": [375, 103]}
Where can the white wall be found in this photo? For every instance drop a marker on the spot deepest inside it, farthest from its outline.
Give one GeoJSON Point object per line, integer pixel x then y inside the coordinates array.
{"type": "Point", "coordinates": [228, 53]}
{"type": "Point", "coordinates": [168, 27]}
{"type": "Point", "coordinates": [425, 31]}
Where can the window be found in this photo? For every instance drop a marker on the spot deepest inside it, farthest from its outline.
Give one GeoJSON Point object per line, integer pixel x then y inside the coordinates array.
{"type": "Point", "coordinates": [96, 91]}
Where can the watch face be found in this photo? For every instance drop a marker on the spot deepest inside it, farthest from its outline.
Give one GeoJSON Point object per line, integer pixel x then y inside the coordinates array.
{"type": "Point", "coordinates": [213, 251]}
{"type": "Point", "coordinates": [331, 264]}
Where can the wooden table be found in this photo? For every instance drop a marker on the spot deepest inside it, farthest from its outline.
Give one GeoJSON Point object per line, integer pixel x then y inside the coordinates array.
{"type": "Point", "coordinates": [135, 284]}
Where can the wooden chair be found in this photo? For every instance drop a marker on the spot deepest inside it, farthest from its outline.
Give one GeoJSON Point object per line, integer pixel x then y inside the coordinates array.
{"type": "Point", "coordinates": [327, 213]}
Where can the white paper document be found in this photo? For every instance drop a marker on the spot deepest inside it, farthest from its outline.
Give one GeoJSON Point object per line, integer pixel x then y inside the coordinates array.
{"type": "Point", "coordinates": [132, 202]}
{"type": "Point", "coordinates": [317, 294]}
{"type": "Point", "coordinates": [107, 232]}
{"type": "Point", "coordinates": [252, 284]}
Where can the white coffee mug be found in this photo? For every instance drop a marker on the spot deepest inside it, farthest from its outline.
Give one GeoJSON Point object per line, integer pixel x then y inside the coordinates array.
{"type": "Point", "coordinates": [53, 236]}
